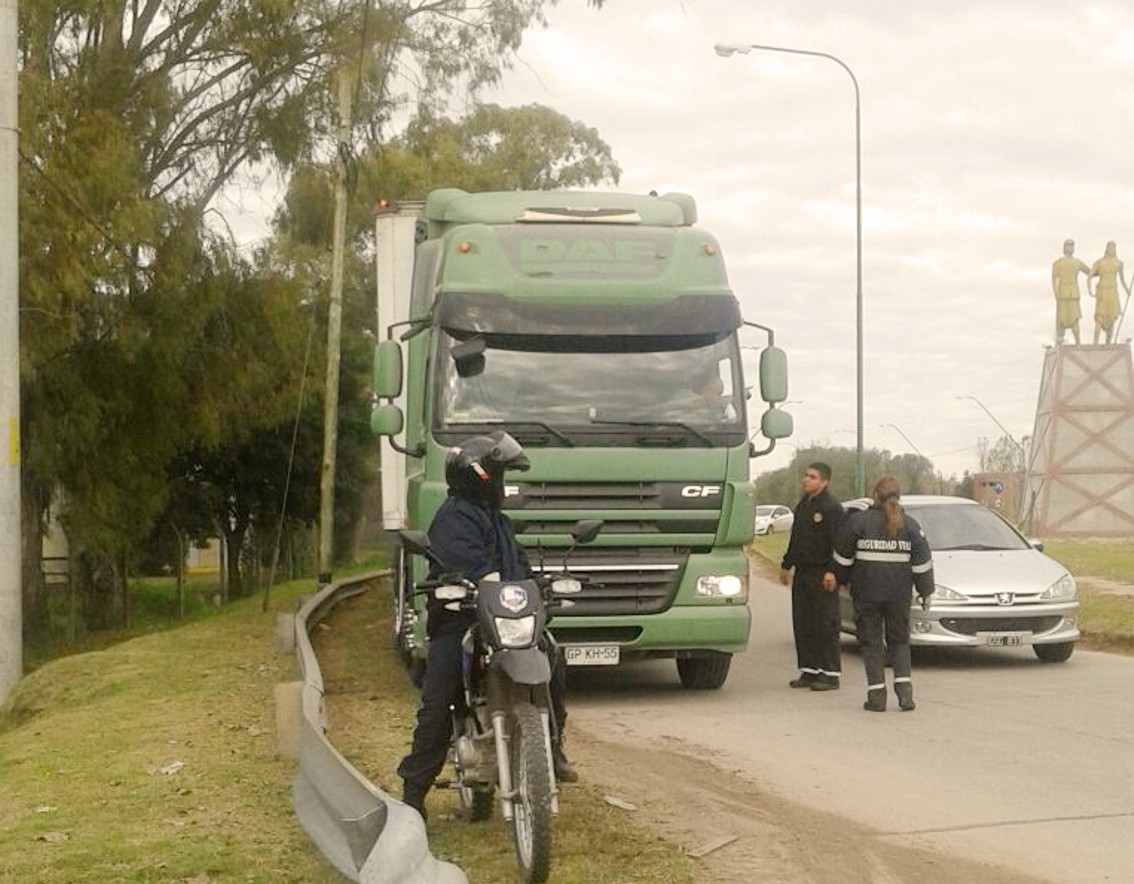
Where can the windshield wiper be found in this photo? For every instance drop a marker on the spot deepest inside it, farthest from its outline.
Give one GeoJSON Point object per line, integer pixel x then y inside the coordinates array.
{"type": "Point", "coordinates": [654, 425]}
{"type": "Point", "coordinates": [515, 428]}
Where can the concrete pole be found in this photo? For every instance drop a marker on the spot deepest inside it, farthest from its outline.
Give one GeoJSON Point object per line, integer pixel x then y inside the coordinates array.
{"type": "Point", "coordinates": [334, 338]}
{"type": "Point", "coordinates": [11, 596]}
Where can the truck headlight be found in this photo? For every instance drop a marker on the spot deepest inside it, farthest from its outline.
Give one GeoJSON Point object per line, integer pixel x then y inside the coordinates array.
{"type": "Point", "coordinates": [720, 586]}
{"type": "Point", "coordinates": [1063, 588]}
{"type": "Point", "coordinates": [516, 632]}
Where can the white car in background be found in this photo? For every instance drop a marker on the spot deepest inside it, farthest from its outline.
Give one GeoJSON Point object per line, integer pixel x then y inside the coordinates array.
{"type": "Point", "coordinates": [994, 587]}
{"type": "Point", "coordinates": [771, 518]}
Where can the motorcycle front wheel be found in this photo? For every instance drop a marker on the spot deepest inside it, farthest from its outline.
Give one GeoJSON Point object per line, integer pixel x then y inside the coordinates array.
{"type": "Point", "coordinates": [531, 780]}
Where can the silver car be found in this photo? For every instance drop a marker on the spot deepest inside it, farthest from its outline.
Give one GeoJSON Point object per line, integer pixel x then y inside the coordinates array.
{"type": "Point", "coordinates": [771, 518]}
{"type": "Point", "coordinates": [994, 587]}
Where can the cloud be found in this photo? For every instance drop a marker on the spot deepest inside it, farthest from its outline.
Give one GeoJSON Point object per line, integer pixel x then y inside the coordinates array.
{"type": "Point", "coordinates": [989, 134]}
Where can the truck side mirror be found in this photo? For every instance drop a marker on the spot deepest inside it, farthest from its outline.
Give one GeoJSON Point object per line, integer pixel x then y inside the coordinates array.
{"type": "Point", "coordinates": [776, 424]}
{"type": "Point", "coordinates": [386, 420]}
{"type": "Point", "coordinates": [773, 375]}
{"type": "Point", "coordinates": [387, 369]}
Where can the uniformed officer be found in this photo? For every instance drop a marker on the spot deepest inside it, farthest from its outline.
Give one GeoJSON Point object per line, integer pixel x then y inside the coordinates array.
{"type": "Point", "coordinates": [814, 600]}
{"type": "Point", "coordinates": [883, 554]}
{"type": "Point", "coordinates": [472, 537]}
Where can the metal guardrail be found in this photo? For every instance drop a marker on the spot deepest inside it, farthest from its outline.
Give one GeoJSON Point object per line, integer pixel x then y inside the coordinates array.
{"type": "Point", "coordinates": [367, 835]}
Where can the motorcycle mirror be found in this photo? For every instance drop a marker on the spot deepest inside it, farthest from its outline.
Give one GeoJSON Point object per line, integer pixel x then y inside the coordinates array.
{"type": "Point", "coordinates": [566, 586]}
{"type": "Point", "coordinates": [586, 530]}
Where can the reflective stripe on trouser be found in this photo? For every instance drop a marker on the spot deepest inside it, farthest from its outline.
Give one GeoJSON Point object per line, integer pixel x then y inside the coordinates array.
{"type": "Point", "coordinates": [883, 625]}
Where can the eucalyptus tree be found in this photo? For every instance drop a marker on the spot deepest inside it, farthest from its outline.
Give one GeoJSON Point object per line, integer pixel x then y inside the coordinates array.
{"type": "Point", "coordinates": [133, 117]}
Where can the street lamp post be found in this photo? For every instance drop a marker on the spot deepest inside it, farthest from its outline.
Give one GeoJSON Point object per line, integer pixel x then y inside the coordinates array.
{"type": "Point", "coordinates": [909, 441]}
{"type": "Point", "coordinates": [728, 49]}
{"type": "Point", "coordinates": [1024, 517]}
{"type": "Point", "coordinates": [1003, 429]}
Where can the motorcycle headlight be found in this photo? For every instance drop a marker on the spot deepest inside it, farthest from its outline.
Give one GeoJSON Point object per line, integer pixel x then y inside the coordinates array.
{"type": "Point", "coordinates": [516, 632]}
{"type": "Point", "coordinates": [1063, 588]}
{"type": "Point", "coordinates": [721, 586]}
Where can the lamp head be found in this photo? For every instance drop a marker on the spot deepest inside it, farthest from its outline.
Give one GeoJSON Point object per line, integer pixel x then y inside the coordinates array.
{"type": "Point", "coordinates": [724, 50]}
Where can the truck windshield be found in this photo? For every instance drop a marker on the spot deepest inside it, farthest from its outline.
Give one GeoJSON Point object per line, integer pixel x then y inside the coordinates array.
{"type": "Point", "coordinates": [564, 391]}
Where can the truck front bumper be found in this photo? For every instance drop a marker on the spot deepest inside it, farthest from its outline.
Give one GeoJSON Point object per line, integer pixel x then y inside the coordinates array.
{"type": "Point", "coordinates": [722, 628]}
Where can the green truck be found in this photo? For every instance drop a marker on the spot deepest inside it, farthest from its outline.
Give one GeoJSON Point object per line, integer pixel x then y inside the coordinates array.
{"type": "Point", "coordinates": [600, 331]}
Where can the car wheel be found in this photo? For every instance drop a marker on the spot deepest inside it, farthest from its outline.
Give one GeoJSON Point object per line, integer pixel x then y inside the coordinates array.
{"type": "Point", "coordinates": [1056, 653]}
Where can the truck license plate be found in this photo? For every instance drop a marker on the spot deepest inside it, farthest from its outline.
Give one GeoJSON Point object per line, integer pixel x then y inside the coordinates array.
{"type": "Point", "coordinates": [591, 655]}
{"type": "Point", "coordinates": [1004, 639]}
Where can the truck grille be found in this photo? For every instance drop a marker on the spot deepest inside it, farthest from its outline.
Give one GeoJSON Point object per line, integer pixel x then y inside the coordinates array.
{"type": "Point", "coordinates": [633, 579]}
{"type": "Point", "coordinates": [621, 580]}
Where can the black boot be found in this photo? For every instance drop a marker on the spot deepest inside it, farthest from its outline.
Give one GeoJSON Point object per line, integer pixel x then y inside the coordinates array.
{"type": "Point", "coordinates": [875, 700]}
{"type": "Point", "coordinates": [805, 680]}
{"type": "Point", "coordinates": [564, 771]}
{"type": "Point", "coordinates": [904, 690]}
{"type": "Point", "coordinates": [413, 794]}
{"type": "Point", "coordinates": [825, 682]}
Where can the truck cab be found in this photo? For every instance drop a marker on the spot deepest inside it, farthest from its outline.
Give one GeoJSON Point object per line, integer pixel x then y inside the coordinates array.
{"type": "Point", "coordinates": [600, 331]}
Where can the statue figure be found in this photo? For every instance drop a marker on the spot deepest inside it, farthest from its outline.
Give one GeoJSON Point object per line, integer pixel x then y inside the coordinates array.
{"type": "Point", "coordinates": [1110, 271]}
{"type": "Point", "coordinates": [1065, 284]}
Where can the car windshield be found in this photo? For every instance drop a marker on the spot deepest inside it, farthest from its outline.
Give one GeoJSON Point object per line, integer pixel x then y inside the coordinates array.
{"type": "Point", "coordinates": [578, 390]}
{"type": "Point", "coordinates": [965, 527]}
{"type": "Point", "coordinates": [764, 510]}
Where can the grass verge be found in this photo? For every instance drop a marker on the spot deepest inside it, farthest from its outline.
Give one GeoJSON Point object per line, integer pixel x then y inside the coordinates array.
{"type": "Point", "coordinates": [155, 761]}
{"type": "Point", "coordinates": [366, 684]}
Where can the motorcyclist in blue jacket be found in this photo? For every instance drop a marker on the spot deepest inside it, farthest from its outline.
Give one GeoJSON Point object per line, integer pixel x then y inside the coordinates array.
{"type": "Point", "coordinates": [471, 536]}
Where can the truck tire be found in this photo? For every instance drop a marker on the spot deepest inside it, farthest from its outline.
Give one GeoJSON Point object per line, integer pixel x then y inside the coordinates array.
{"type": "Point", "coordinates": [704, 673]}
{"type": "Point", "coordinates": [414, 663]}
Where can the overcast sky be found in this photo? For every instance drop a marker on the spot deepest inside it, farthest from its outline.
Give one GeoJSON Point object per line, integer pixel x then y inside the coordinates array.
{"type": "Point", "coordinates": [990, 133]}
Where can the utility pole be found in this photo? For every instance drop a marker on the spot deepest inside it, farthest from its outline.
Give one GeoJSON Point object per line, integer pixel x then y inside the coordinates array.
{"type": "Point", "coordinates": [334, 338]}
{"type": "Point", "coordinates": [11, 591]}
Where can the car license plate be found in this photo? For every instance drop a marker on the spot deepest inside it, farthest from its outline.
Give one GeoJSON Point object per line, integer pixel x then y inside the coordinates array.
{"type": "Point", "coordinates": [1003, 639]}
{"type": "Point", "coordinates": [591, 655]}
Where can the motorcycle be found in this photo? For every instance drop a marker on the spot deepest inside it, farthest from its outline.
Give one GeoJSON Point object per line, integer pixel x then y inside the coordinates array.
{"type": "Point", "coordinates": [502, 734]}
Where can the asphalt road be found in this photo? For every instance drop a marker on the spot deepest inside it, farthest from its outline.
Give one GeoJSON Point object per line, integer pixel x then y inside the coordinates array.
{"type": "Point", "coordinates": [1006, 760]}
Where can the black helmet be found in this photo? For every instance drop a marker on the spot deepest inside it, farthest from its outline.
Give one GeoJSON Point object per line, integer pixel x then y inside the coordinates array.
{"type": "Point", "coordinates": [477, 465]}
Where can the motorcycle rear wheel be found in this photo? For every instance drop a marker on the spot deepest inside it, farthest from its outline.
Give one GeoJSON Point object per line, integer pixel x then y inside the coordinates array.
{"type": "Point", "coordinates": [531, 780]}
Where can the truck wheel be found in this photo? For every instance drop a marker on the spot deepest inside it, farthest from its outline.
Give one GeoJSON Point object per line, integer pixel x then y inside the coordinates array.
{"type": "Point", "coordinates": [704, 673]}
{"type": "Point", "coordinates": [1057, 653]}
{"type": "Point", "coordinates": [403, 623]}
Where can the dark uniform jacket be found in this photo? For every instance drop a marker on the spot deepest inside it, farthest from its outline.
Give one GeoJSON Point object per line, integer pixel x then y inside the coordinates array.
{"type": "Point", "coordinates": [881, 568]}
{"type": "Point", "coordinates": [813, 532]}
{"type": "Point", "coordinates": [471, 539]}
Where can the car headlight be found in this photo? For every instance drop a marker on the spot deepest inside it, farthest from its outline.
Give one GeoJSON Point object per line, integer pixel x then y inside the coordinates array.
{"type": "Point", "coordinates": [940, 594]}
{"type": "Point", "coordinates": [726, 586]}
{"type": "Point", "coordinates": [1063, 588]}
{"type": "Point", "coordinates": [515, 632]}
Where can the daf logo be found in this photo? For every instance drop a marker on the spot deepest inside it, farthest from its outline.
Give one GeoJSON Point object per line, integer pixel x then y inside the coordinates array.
{"type": "Point", "coordinates": [511, 490]}
{"type": "Point", "coordinates": [1005, 598]}
{"type": "Point", "coordinates": [700, 490]}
